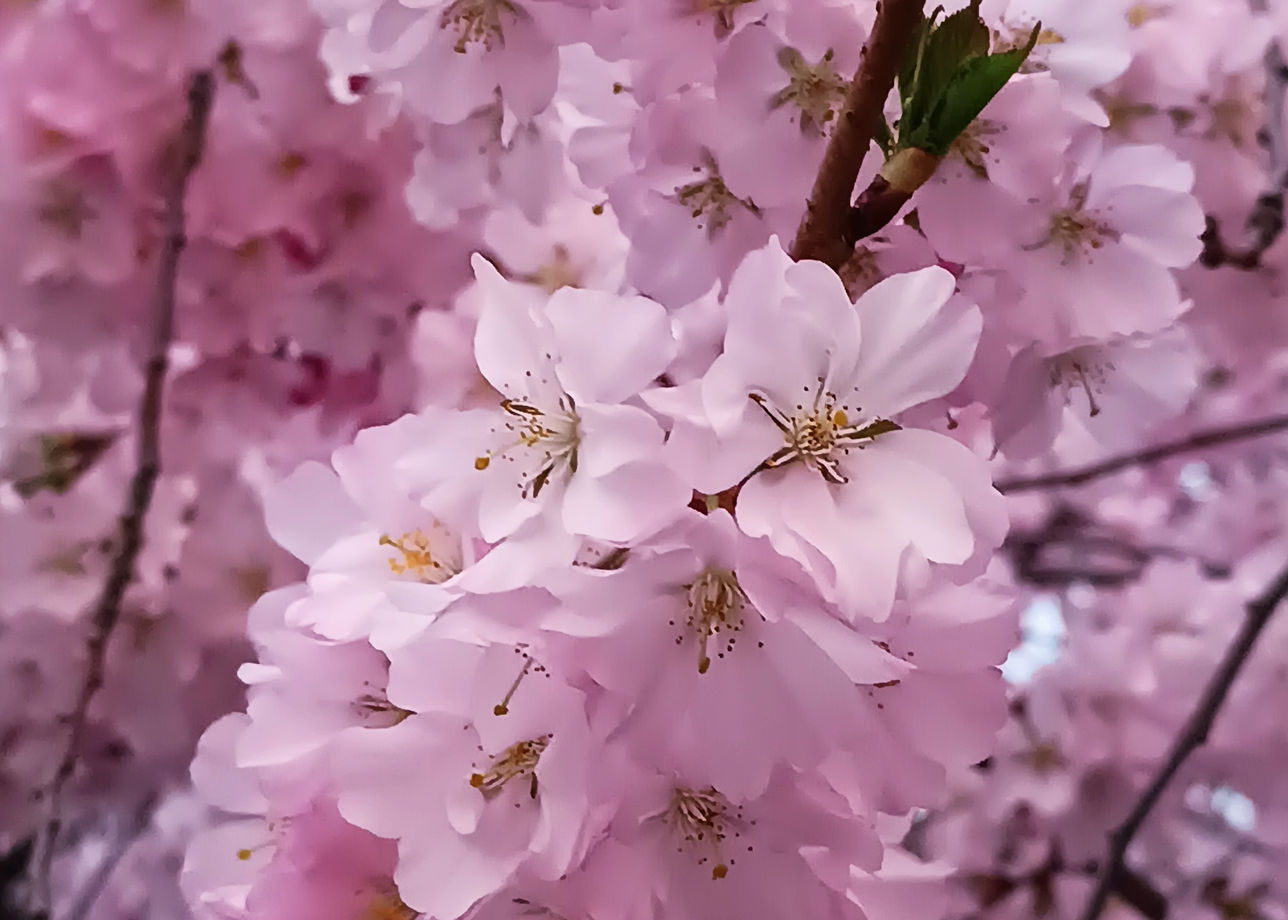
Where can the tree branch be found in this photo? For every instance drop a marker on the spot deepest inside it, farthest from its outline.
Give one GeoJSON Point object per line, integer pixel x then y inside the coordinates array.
{"type": "Point", "coordinates": [129, 534]}
{"type": "Point", "coordinates": [1266, 219]}
{"type": "Point", "coordinates": [1192, 735]}
{"type": "Point", "coordinates": [822, 231]}
{"type": "Point", "coordinates": [1146, 457]}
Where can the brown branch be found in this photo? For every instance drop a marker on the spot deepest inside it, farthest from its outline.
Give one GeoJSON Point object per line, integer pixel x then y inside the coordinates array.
{"type": "Point", "coordinates": [1146, 457]}
{"type": "Point", "coordinates": [1265, 221]}
{"type": "Point", "coordinates": [822, 231]}
{"type": "Point", "coordinates": [1071, 547]}
{"type": "Point", "coordinates": [129, 534]}
{"type": "Point", "coordinates": [1192, 735]}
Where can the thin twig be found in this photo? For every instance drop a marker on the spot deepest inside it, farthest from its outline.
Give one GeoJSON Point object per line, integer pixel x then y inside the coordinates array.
{"type": "Point", "coordinates": [821, 234]}
{"type": "Point", "coordinates": [1194, 442]}
{"type": "Point", "coordinates": [129, 535]}
{"type": "Point", "coordinates": [1266, 219]}
{"type": "Point", "coordinates": [1192, 735]}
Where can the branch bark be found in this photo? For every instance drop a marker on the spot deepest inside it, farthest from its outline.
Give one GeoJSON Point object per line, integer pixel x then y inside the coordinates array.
{"type": "Point", "coordinates": [1146, 457]}
{"type": "Point", "coordinates": [823, 229]}
{"type": "Point", "coordinates": [1266, 219]}
{"type": "Point", "coordinates": [1192, 736]}
{"type": "Point", "coordinates": [129, 534]}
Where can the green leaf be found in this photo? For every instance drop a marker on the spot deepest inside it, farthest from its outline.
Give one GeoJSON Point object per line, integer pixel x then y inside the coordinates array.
{"type": "Point", "coordinates": [958, 39]}
{"type": "Point", "coordinates": [911, 63]}
{"type": "Point", "coordinates": [971, 88]}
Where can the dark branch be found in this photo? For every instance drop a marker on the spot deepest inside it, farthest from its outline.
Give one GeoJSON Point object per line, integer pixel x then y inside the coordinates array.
{"type": "Point", "coordinates": [1266, 219]}
{"type": "Point", "coordinates": [823, 229]}
{"type": "Point", "coordinates": [1145, 457]}
{"type": "Point", "coordinates": [1071, 547]}
{"type": "Point", "coordinates": [129, 534]}
{"type": "Point", "coordinates": [1192, 735]}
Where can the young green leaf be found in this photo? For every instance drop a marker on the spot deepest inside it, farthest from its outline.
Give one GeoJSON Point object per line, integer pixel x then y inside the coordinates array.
{"type": "Point", "coordinates": [911, 63]}
{"type": "Point", "coordinates": [971, 88]}
{"type": "Point", "coordinates": [959, 38]}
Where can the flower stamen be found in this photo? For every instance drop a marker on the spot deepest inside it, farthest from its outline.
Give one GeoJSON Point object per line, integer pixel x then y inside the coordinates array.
{"type": "Point", "coordinates": [704, 818]}
{"type": "Point", "coordinates": [1074, 230]}
{"type": "Point", "coordinates": [818, 91]}
{"type": "Point", "coordinates": [416, 555]}
{"type": "Point", "coordinates": [716, 603]}
{"type": "Point", "coordinates": [516, 761]}
{"type": "Point", "coordinates": [554, 437]}
{"type": "Point", "coordinates": [476, 21]}
{"type": "Point", "coordinates": [709, 199]}
{"type": "Point", "coordinates": [821, 434]}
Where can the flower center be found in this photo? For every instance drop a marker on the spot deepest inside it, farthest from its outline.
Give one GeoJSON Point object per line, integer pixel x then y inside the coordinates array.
{"type": "Point", "coordinates": [709, 199]}
{"type": "Point", "coordinates": [558, 273]}
{"type": "Point", "coordinates": [66, 210]}
{"type": "Point", "coordinates": [1043, 757]}
{"type": "Point", "coordinates": [516, 761]}
{"type": "Point", "coordinates": [818, 91]}
{"type": "Point", "coordinates": [1072, 369]}
{"type": "Point", "coordinates": [1074, 230]}
{"type": "Point", "coordinates": [721, 12]}
{"type": "Point", "coordinates": [476, 21]}
{"type": "Point", "coordinates": [703, 819]}
{"type": "Point", "coordinates": [546, 442]}
{"type": "Point", "coordinates": [416, 555]}
{"type": "Point", "coordinates": [970, 145]}
{"type": "Point", "coordinates": [716, 603]}
{"type": "Point", "coordinates": [820, 434]}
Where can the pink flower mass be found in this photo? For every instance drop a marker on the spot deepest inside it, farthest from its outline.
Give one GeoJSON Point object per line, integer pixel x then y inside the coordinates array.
{"type": "Point", "coordinates": [643, 460]}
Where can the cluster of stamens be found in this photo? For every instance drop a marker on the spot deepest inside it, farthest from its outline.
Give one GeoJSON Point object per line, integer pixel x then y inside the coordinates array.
{"type": "Point", "coordinates": [971, 147]}
{"type": "Point", "coordinates": [1074, 230]}
{"type": "Point", "coordinates": [1043, 757]}
{"type": "Point", "coordinates": [821, 433]}
{"type": "Point", "coordinates": [709, 200]}
{"type": "Point", "coordinates": [817, 91]}
{"type": "Point", "coordinates": [516, 761]}
{"type": "Point", "coordinates": [415, 556]}
{"type": "Point", "coordinates": [554, 437]}
{"type": "Point", "coordinates": [476, 21]}
{"type": "Point", "coordinates": [721, 12]}
{"type": "Point", "coordinates": [717, 607]}
{"type": "Point", "coordinates": [558, 272]}
{"type": "Point", "coordinates": [703, 818]}
{"type": "Point", "coordinates": [66, 209]}
{"type": "Point", "coordinates": [1072, 369]}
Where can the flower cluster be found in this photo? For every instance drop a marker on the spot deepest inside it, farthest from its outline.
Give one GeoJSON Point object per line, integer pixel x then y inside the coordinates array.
{"type": "Point", "coordinates": [604, 561]}
{"type": "Point", "coordinates": [529, 653]}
